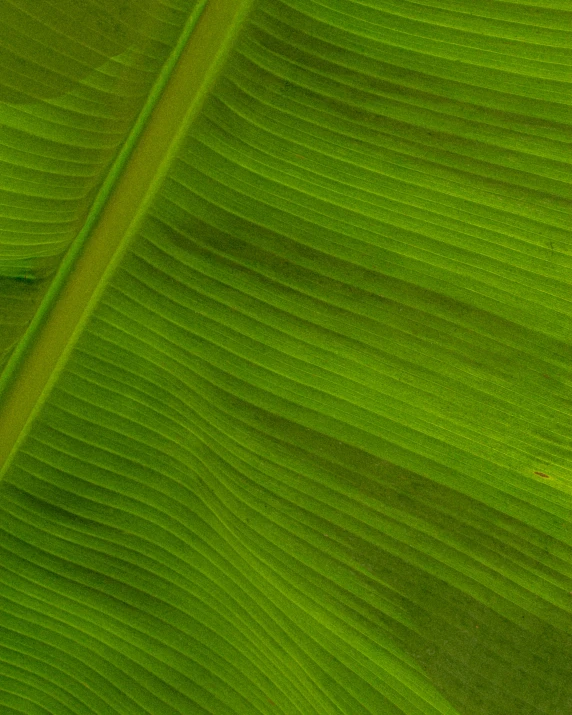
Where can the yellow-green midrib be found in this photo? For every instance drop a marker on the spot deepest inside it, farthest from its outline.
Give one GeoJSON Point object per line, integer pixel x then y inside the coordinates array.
{"type": "Point", "coordinates": [57, 147]}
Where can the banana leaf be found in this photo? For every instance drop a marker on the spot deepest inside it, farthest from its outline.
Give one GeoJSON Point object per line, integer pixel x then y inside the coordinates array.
{"type": "Point", "coordinates": [286, 357]}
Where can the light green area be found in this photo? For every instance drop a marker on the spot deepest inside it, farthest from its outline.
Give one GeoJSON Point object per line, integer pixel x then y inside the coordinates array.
{"type": "Point", "coordinates": [311, 452]}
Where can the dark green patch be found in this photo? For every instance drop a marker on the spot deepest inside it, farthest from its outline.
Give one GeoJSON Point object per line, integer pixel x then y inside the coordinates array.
{"type": "Point", "coordinates": [47, 47]}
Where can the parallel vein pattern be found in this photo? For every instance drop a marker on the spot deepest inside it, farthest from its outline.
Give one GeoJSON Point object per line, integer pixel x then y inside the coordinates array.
{"type": "Point", "coordinates": [73, 78]}
{"type": "Point", "coordinates": [312, 454]}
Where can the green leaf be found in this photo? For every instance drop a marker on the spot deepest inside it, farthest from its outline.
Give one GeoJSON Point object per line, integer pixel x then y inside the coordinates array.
{"type": "Point", "coordinates": [285, 409]}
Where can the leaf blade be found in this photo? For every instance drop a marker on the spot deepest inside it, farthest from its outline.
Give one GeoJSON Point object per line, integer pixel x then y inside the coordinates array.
{"type": "Point", "coordinates": [294, 455]}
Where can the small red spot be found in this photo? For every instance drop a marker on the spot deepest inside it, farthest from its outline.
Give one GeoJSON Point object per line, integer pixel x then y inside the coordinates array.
{"type": "Point", "coordinates": [271, 701]}
{"type": "Point", "coordinates": [546, 376]}
{"type": "Point", "coordinates": [541, 474]}
{"type": "Point", "coordinates": [300, 156]}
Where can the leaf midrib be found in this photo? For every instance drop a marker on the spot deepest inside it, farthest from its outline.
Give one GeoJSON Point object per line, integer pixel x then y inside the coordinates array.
{"type": "Point", "coordinates": [115, 216]}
